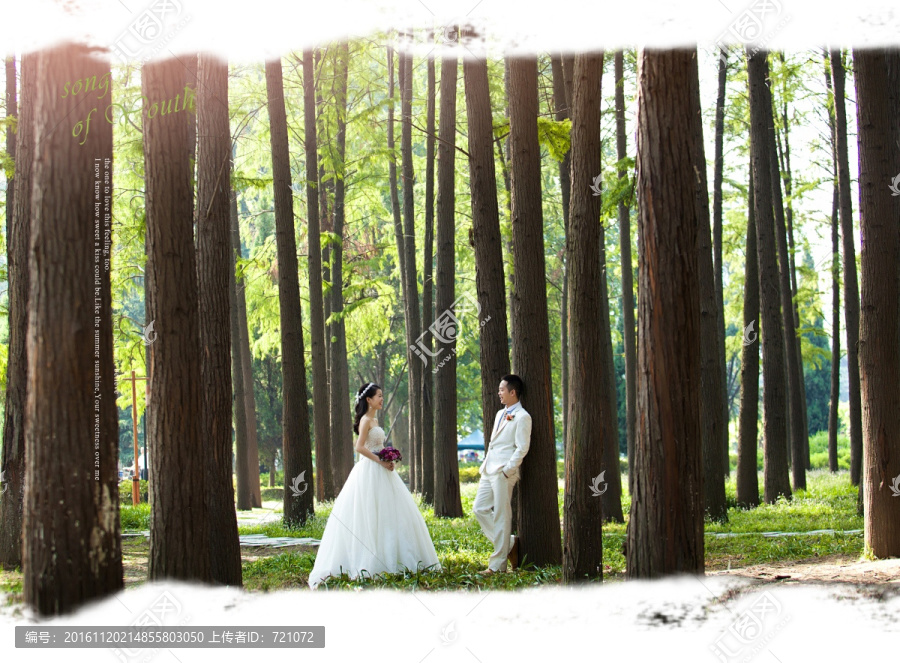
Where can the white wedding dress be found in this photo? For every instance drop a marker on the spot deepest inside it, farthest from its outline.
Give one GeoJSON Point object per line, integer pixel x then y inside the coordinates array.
{"type": "Point", "coordinates": [374, 526]}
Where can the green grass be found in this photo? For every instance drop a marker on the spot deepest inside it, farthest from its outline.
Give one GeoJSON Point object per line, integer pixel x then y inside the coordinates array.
{"type": "Point", "coordinates": [828, 503]}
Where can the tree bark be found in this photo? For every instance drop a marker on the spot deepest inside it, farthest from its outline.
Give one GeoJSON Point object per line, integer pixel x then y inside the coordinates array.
{"type": "Point", "coordinates": [665, 530]}
{"type": "Point", "coordinates": [833, 420]}
{"type": "Point", "coordinates": [214, 260]}
{"type": "Point", "coordinates": [447, 500]}
{"type": "Point", "coordinates": [324, 472]}
{"type": "Point", "coordinates": [775, 476]}
{"type": "Point", "coordinates": [851, 283]}
{"type": "Point", "coordinates": [174, 415]}
{"type": "Point", "coordinates": [71, 551]}
{"type": "Point", "coordinates": [624, 216]}
{"type": "Point", "coordinates": [428, 312]}
{"type": "Point", "coordinates": [563, 112]}
{"type": "Point", "coordinates": [242, 451]}
{"type": "Point", "coordinates": [712, 398]}
{"type": "Point", "coordinates": [718, 270]}
{"type": "Point", "coordinates": [341, 424]}
{"type": "Point", "coordinates": [538, 506]}
{"type": "Point", "coordinates": [413, 313]}
{"type": "Point", "coordinates": [799, 435]}
{"type": "Point", "coordinates": [582, 538]}
{"type": "Point", "coordinates": [747, 479]}
{"type": "Point", "coordinates": [20, 147]}
{"type": "Point", "coordinates": [879, 333]}
{"type": "Point", "coordinates": [296, 447]}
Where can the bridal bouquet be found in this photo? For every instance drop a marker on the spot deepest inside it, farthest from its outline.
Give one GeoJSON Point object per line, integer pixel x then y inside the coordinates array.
{"type": "Point", "coordinates": [390, 453]}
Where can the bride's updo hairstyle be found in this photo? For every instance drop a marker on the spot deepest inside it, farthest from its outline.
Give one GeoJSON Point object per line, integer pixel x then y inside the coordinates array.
{"type": "Point", "coordinates": [361, 405]}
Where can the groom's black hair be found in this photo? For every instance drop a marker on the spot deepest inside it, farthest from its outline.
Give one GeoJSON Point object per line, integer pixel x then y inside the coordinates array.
{"type": "Point", "coordinates": [514, 383]}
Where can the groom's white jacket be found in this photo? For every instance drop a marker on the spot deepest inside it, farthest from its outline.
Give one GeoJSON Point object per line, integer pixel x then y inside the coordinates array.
{"type": "Point", "coordinates": [509, 443]}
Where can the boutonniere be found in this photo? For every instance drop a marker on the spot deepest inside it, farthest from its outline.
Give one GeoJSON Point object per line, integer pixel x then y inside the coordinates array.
{"type": "Point", "coordinates": [510, 417]}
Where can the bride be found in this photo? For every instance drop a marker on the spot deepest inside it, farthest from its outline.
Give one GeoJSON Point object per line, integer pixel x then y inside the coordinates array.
{"type": "Point", "coordinates": [375, 525]}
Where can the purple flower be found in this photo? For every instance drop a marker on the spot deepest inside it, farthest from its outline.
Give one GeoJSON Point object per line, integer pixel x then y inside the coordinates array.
{"type": "Point", "coordinates": [390, 453]}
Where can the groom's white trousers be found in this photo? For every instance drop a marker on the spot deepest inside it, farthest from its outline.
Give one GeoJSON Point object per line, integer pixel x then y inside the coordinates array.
{"type": "Point", "coordinates": [493, 510]}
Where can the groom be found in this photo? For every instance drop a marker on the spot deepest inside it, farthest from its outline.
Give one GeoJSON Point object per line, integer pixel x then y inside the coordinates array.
{"type": "Point", "coordinates": [510, 439]}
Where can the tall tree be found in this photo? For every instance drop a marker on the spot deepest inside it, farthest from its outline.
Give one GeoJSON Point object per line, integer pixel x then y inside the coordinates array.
{"type": "Point", "coordinates": [242, 451]}
{"type": "Point", "coordinates": [718, 270]}
{"type": "Point", "coordinates": [485, 236]}
{"type": "Point", "coordinates": [174, 409]}
{"type": "Point", "coordinates": [624, 216]}
{"type": "Point", "coordinates": [538, 507]}
{"type": "Point", "coordinates": [296, 447]}
{"type": "Point", "coordinates": [341, 430]}
{"type": "Point", "coordinates": [428, 312]}
{"type": "Point", "coordinates": [214, 261]}
{"type": "Point", "coordinates": [851, 283]}
{"type": "Point", "coordinates": [590, 428]}
{"type": "Point", "coordinates": [70, 396]}
{"type": "Point", "coordinates": [775, 469]}
{"type": "Point", "coordinates": [447, 500]}
{"type": "Point", "coordinates": [799, 433]}
{"type": "Point", "coordinates": [879, 333]}
{"type": "Point", "coordinates": [665, 531]}
{"type": "Point", "coordinates": [563, 112]}
{"type": "Point", "coordinates": [20, 147]}
{"type": "Point", "coordinates": [712, 399]}
{"type": "Point", "coordinates": [833, 420]}
{"type": "Point", "coordinates": [413, 320]}
{"type": "Point", "coordinates": [324, 477]}
{"type": "Point", "coordinates": [747, 479]}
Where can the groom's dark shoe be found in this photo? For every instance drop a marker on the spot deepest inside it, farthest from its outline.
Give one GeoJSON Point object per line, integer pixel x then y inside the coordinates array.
{"type": "Point", "coordinates": [513, 556]}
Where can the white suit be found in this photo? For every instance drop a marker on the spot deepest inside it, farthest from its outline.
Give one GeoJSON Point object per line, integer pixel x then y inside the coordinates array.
{"type": "Point", "coordinates": [509, 443]}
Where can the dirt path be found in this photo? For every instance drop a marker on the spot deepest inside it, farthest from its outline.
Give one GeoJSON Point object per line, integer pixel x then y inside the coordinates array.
{"type": "Point", "coordinates": [829, 569]}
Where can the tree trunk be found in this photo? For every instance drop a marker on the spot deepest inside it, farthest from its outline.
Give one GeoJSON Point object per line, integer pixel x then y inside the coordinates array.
{"type": "Point", "coordinates": [428, 312]}
{"type": "Point", "coordinates": [341, 424]}
{"type": "Point", "coordinates": [563, 112]}
{"type": "Point", "coordinates": [799, 435]}
{"type": "Point", "coordinates": [879, 333]}
{"type": "Point", "coordinates": [712, 397]}
{"type": "Point", "coordinates": [214, 260]}
{"type": "Point", "coordinates": [538, 504]}
{"type": "Point", "coordinates": [296, 447]}
{"type": "Point", "coordinates": [775, 475]}
{"type": "Point", "coordinates": [582, 538]}
{"type": "Point", "coordinates": [71, 551]}
{"type": "Point", "coordinates": [20, 147]}
{"type": "Point", "coordinates": [246, 371]}
{"type": "Point", "coordinates": [718, 270]}
{"type": "Point", "coordinates": [413, 320]}
{"type": "Point", "coordinates": [665, 530]}
{"type": "Point", "coordinates": [174, 409]}
{"type": "Point", "coordinates": [242, 451]}
{"type": "Point", "coordinates": [612, 497]}
{"type": "Point", "coordinates": [833, 421]}
{"type": "Point", "coordinates": [851, 285]}
{"type": "Point", "coordinates": [624, 216]}
{"type": "Point", "coordinates": [324, 472]}
{"type": "Point", "coordinates": [747, 479]}
{"type": "Point", "coordinates": [447, 500]}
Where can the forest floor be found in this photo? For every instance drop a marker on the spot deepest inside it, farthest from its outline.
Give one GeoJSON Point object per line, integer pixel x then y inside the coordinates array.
{"type": "Point", "coordinates": [782, 543]}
